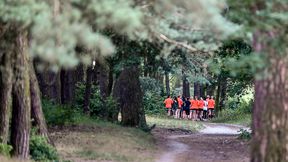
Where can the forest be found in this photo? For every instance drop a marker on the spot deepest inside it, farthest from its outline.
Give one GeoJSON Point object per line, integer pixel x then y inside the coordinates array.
{"type": "Point", "coordinates": [88, 80]}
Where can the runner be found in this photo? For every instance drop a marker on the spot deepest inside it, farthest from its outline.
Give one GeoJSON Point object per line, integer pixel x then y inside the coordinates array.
{"type": "Point", "coordinates": [205, 108]}
{"type": "Point", "coordinates": [180, 103]}
{"type": "Point", "coordinates": [174, 106]}
{"type": "Point", "coordinates": [211, 105]}
{"type": "Point", "coordinates": [168, 104]}
{"type": "Point", "coordinates": [200, 108]}
{"type": "Point", "coordinates": [186, 108]}
{"type": "Point", "coordinates": [194, 108]}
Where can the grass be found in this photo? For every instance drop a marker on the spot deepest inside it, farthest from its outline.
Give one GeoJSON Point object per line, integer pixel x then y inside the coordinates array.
{"type": "Point", "coordinates": [93, 139]}
{"type": "Point", "coordinates": [244, 119]}
{"type": "Point", "coordinates": [169, 122]}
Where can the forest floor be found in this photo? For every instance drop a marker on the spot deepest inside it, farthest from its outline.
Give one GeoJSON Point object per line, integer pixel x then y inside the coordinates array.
{"type": "Point", "coordinates": [171, 141]}
{"type": "Point", "coordinates": [214, 143]}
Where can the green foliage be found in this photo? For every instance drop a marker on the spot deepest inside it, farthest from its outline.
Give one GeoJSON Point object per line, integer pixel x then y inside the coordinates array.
{"type": "Point", "coordinates": [98, 106]}
{"type": "Point", "coordinates": [153, 104]}
{"type": "Point", "coordinates": [56, 114]}
{"type": "Point", "coordinates": [5, 149]}
{"type": "Point", "coordinates": [152, 100]}
{"type": "Point", "coordinates": [237, 111]}
{"type": "Point", "coordinates": [244, 134]}
{"type": "Point", "coordinates": [40, 150]}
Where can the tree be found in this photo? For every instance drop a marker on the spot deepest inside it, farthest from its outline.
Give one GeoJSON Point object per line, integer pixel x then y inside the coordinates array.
{"type": "Point", "coordinates": [129, 95]}
{"type": "Point", "coordinates": [38, 119]}
{"type": "Point", "coordinates": [268, 24]}
{"type": "Point", "coordinates": [20, 124]}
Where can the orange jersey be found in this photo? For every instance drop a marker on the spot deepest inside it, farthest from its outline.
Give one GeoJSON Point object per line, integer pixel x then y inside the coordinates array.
{"type": "Point", "coordinates": [180, 102]}
{"type": "Point", "coordinates": [168, 103]}
{"type": "Point", "coordinates": [194, 104]}
{"type": "Point", "coordinates": [211, 103]}
{"type": "Point", "coordinates": [200, 104]}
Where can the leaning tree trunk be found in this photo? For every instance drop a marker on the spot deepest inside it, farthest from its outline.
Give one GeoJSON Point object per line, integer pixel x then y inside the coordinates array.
{"type": "Point", "coordinates": [270, 111]}
{"type": "Point", "coordinates": [20, 125]}
{"type": "Point", "coordinates": [36, 106]}
{"type": "Point", "coordinates": [5, 91]}
{"type": "Point", "coordinates": [129, 95]}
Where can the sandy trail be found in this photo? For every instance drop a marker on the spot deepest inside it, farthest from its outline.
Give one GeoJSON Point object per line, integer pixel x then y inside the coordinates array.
{"type": "Point", "coordinates": [214, 143]}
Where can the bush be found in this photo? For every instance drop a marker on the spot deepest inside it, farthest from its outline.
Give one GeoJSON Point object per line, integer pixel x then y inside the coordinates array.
{"type": "Point", "coordinates": [241, 114]}
{"type": "Point", "coordinates": [244, 134]}
{"type": "Point", "coordinates": [153, 104]}
{"type": "Point", "coordinates": [98, 106]}
{"type": "Point", "coordinates": [56, 114]}
{"type": "Point", "coordinates": [40, 150]}
{"type": "Point", "coordinates": [5, 149]}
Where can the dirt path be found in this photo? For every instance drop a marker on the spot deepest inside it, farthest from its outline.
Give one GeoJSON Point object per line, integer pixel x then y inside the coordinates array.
{"type": "Point", "coordinates": [214, 143]}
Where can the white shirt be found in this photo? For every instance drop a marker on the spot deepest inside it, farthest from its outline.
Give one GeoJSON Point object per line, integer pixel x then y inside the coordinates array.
{"type": "Point", "coordinates": [205, 105]}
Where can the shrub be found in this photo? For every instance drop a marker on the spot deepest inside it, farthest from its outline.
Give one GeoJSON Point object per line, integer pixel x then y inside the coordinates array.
{"type": "Point", "coordinates": [5, 149]}
{"type": "Point", "coordinates": [153, 104]}
{"type": "Point", "coordinates": [98, 106]}
{"type": "Point", "coordinates": [244, 134]}
{"type": "Point", "coordinates": [40, 150]}
{"type": "Point", "coordinates": [56, 114]}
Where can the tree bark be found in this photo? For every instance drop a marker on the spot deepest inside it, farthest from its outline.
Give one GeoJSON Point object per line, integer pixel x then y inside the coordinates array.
{"type": "Point", "coordinates": [50, 85]}
{"type": "Point", "coordinates": [79, 77]}
{"type": "Point", "coordinates": [129, 95]}
{"type": "Point", "coordinates": [67, 78]}
{"type": "Point", "coordinates": [5, 92]}
{"type": "Point", "coordinates": [36, 106]}
{"type": "Point", "coordinates": [87, 93]}
{"type": "Point", "coordinates": [186, 87]}
{"type": "Point", "coordinates": [167, 83]}
{"type": "Point", "coordinates": [196, 89]}
{"type": "Point", "coordinates": [223, 92]}
{"type": "Point", "coordinates": [110, 81]}
{"type": "Point", "coordinates": [103, 80]}
{"type": "Point", "coordinates": [270, 111]}
{"type": "Point", "coordinates": [218, 92]}
{"type": "Point", "coordinates": [20, 125]}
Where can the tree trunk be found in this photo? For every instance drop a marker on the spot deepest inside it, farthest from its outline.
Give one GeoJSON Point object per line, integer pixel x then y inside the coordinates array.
{"type": "Point", "coordinates": [110, 81]}
{"type": "Point", "coordinates": [87, 93]}
{"type": "Point", "coordinates": [167, 83]}
{"type": "Point", "coordinates": [202, 90]}
{"type": "Point", "coordinates": [186, 87]}
{"type": "Point", "coordinates": [103, 80]}
{"type": "Point", "coordinates": [217, 99]}
{"type": "Point", "coordinates": [196, 89]}
{"type": "Point", "coordinates": [20, 125]}
{"type": "Point", "coordinates": [36, 106]}
{"type": "Point", "coordinates": [79, 77]}
{"type": "Point", "coordinates": [67, 78]}
{"type": "Point", "coordinates": [50, 85]}
{"type": "Point", "coordinates": [129, 95]}
{"type": "Point", "coordinates": [5, 92]}
{"type": "Point", "coordinates": [270, 111]}
{"type": "Point", "coordinates": [223, 92]}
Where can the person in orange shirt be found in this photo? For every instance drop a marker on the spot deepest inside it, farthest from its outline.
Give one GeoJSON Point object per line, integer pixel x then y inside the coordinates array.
{"type": "Point", "coordinates": [211, 105]}
{"type": "Point", "coordinates": [180, 103]}
{"type": "Point", "coordinates": [200, 108]}
{"type": "Point", "coordinates": [193, 108]}
{"type": "Point", "coordinates": [168, 104]}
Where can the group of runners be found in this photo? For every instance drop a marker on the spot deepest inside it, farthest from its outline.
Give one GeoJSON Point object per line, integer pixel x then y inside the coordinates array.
{"type": "Point", "coordinates": [190, 108]}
